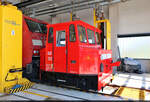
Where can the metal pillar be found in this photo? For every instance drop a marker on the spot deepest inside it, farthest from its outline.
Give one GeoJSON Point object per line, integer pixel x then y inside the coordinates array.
{"type": "Point", "coordinates": [108, 32]}
{"type": "Point", "coordinates": [108, 29]}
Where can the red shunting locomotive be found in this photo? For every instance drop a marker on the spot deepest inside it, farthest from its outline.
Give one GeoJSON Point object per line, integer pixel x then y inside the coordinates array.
{"type": "Point", "coordinates": [74, 56]}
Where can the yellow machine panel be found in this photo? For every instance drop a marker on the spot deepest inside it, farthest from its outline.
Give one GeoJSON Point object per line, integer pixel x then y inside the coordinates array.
{"type": "Point", "coordinates": [10, 47]}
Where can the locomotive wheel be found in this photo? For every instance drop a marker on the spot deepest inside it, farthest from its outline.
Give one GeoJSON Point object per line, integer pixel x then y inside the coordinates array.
{"type": "Point", "coordinates": [101, 67]}
{"type": "Point", "coordinates": [83, 84]}
{"type": "Point", "coordinates": [102, 89]}
{"type": "Point", "coordinates": [111, 80]}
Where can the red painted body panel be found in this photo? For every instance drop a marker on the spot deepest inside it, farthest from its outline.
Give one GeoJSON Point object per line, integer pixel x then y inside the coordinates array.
{"type": "Point", "coordinates": [42, 57]}
{"type": "Point", "coordinates": [60, 52]}
{"type": "Point", "coordinates": [88, 56]}
{"type": "Point", "coordinates": [28, 46]}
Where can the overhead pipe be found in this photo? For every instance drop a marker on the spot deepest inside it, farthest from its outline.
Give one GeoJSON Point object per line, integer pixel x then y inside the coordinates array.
{"type": "Point", "coordinates": [36, 5]}
{"type": "Point", "coordinates": [65, 11]}
{"type": "Point", "coordinates": [77, 4]}
{"type": "Point", "coordinates": [62, 6]}
{"type": "Point", "coordinates": [27, 3]}
{"type": "Point", "coordinates": [52, 8]}
{"type": "Point", "coordinates": [68, 9]}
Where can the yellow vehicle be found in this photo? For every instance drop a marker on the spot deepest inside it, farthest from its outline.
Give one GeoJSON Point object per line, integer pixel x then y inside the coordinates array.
{"type": "Point", "coordinates": [11, 50]}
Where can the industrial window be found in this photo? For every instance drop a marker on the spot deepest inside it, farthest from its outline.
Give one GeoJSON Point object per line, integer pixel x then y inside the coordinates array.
{"type": "Point", "coordinates": [50, 35]}
{"type": "Point", "coordinates": [36, 27]}
{"type": "Point", "coordinates": [60, 38]}
{"type": "Point", "coordinates": [98, 38]}
{"type": "Point", "coordinates": [82, 34]}
{"type": "Point", "coordinates": [91, 37]}
{"type": "Point", "coordinates": [72, 34]}
{"type": "Point", "coordinates": [134, 47]}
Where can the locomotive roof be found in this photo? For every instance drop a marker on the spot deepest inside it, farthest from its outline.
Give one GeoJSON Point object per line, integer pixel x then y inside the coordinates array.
{"type": "Point", "coordinates": [35, 20]}
{"type": "Point", "coordinates": [72, 22]}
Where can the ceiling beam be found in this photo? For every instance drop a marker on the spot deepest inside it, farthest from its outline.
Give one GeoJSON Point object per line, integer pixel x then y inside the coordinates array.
{"type": "Point", "coordinates": [68, 7]}
{"type": "Point", "coordinates": [84, 4]}
{"type": "Point", "coordinates": [27, 3]}
{"type": "Point", "coordinates": [62, 6]}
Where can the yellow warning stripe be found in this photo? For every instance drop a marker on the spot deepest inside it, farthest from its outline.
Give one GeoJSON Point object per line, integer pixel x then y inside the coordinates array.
{"type": "Point", "coordinates": [119, 91]}
{"type": "Point", "coordinates": [130, 93]}
{"type": "Point", "coordinates": [20, 89]}
{"type": "Point", "coordinates": [36, 94]}
{"type": "Point", "coordinates": [142, 95]}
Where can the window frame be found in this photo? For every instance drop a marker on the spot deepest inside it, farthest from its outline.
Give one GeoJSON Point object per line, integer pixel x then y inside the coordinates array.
{"type": "Point", "coordinates": [91, 35]}
{"type": "Point", "coordinates": [57, 36]}
{"type": "Point", "coordinates": [74, 33]}
{"type": "Point", "coordinates": [85, 34]}
{"type": "Point", "coordinates": [99, 38]}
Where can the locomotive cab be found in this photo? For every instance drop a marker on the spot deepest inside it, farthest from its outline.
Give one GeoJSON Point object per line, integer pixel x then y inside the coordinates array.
{"type": "Point", "coordinates": [74, 56]}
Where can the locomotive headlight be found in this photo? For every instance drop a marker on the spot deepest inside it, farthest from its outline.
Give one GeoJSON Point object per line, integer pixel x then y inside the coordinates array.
{"type": "Point", "coordinates": [37, 51]}
{"type": "Point", "coordinates": [34, 51]}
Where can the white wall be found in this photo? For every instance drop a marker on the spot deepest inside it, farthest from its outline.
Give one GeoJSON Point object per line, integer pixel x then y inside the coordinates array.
{"type": "Point", "coordinates": [130, 18]}
{"type": "Point", "coordinates": [134, 17]}
{"type": "Point", "coordinates": [83, 15]}
{"type": "Point", "coordinates": [113, 16]}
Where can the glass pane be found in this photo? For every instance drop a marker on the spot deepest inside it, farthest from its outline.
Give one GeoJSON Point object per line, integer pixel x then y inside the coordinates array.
{"type": "Point", "coordinates": [82, 34]}
{"type": "Point", "coordinates": [91, 37]}
{"type": "Point", "coordinates": [60, 38]}
{"type": "Point", "coordinates": [98, 38]}
{"type": "Point", "coordinates": [72, 35]}
{"type": "Point", "coordinates": [36, 27]}
{"type": "Point", "coordinates": [43, 28]}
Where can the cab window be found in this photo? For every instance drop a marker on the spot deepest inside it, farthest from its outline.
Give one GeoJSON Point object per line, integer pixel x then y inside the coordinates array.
{"type": "Point", "coordinates": [98, 38]}
{"type": "Point", "coordinates": [72, 34]}
{"type": "Point", "coordinates": [36, 27]}
{"type": "Point", "coordinates": [91, 37]}
{"type": "Point", "coordinates": [60, 38]}
{"type": "Point", "coordinates": [50, 35]}
{"type": "Point", "coordinates": [82, 34]}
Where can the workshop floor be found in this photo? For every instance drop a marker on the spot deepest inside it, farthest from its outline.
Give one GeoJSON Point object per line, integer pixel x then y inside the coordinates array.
{"type": "Point", "coordinates": [132, 80]}
{"type": "Point", "coordinates": [132, 86]}
{"type": "Point", "coordinates": [44, 92]}
{"type": "Point", "coordinates": [125, 86]}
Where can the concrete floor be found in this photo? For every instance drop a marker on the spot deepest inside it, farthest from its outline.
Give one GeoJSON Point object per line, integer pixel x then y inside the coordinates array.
{"type": "Point", "coordinates": [45, 92]}
{"type": "Point", "coordinates": [132, 80]}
